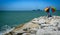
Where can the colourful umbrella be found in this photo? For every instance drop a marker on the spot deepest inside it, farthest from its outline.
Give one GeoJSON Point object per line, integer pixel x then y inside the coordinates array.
{"type": "Point", "coordinates": [50, 10]}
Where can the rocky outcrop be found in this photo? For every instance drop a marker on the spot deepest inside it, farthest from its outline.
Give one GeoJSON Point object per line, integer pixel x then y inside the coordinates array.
{"type": "Point", "coordinates": [38, 26]}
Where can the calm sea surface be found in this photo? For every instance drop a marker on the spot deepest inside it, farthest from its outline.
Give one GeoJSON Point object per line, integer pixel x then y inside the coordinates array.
{"type": "Point", "coordinates": [15, 18]}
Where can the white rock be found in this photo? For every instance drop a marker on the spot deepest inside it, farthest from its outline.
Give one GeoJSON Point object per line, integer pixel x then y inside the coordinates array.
{"type": "Point", "coordinates": [50, 26]}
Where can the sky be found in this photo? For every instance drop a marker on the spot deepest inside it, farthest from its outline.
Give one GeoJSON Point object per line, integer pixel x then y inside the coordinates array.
{"type": "Point", "coordinates": [28, 4]}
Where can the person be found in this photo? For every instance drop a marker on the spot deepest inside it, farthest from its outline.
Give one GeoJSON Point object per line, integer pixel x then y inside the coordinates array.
{"type": "Point", "coordinates": [49, 11]}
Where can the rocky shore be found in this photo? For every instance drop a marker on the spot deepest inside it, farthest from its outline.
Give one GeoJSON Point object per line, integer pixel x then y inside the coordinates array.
{"type": "Point", "coordinates": [38, 26]}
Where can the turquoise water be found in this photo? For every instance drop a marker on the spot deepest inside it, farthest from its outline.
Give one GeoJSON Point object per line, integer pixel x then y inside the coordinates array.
{"type": "Point", "coordinates": [16, 18]}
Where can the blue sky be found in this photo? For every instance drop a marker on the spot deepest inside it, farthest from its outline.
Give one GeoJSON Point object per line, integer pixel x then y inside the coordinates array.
{"type": "Point", "coordinates": [28, 4]}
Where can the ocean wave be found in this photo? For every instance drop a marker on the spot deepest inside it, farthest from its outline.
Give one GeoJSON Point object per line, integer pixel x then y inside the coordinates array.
{"type": "Point", "coordinates": [5, 29]}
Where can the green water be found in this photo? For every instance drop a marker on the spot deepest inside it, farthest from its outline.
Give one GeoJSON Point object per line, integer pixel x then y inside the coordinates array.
{"type": "Point", "coordinates": [16, 18]}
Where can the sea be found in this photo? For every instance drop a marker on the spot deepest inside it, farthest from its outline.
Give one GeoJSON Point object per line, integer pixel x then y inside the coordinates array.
{"type": "Point", "coordinates": [9, 19]}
